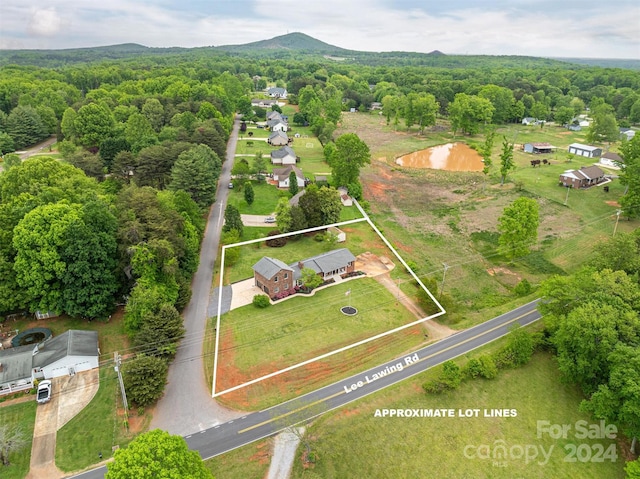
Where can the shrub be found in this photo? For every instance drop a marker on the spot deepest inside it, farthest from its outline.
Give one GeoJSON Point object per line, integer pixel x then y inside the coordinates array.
{"type": "Point", "coordinates": [261, 301]}
{"type": "Point", "coordinates": [277, 242]}
{"type": "Point", "coordinates": [523, 288]}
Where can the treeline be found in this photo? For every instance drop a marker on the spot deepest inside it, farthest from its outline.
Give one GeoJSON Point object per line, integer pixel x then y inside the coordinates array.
{"type": "Point", "coordinates": [592, 319]}
{"type": "Point", "coordinates": [211, 85]}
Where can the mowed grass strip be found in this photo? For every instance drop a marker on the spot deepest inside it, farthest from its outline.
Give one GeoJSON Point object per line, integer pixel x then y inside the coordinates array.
{"type": "Point", "coordinates": [354, 443]}
{"type": "Point", "coordinates": [301, 328]}
{"type": "Point", "coordinates": [23, 417]}
{"type": "Point", "coordinates": [96, 429]}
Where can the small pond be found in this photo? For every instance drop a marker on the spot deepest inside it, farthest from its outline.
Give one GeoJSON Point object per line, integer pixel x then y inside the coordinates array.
{"type": "Point", "coordinates": [31, 336]}
{"type": "Point", "coordinates": [450, 157]}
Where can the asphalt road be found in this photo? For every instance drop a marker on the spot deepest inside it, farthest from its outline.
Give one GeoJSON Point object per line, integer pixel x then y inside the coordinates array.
{"type": "Point", "coordinates": [254, 426]}
{"type": "Point", "coordinates": [186, 405]}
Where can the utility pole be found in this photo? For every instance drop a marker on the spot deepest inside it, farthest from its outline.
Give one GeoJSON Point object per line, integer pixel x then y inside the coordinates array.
{"type": "Point", "coordinates": [117, 360]}
{"type": "Point", "coordinates": [617, 219]}
{"type": "Point", "coordinates": [444, 275]}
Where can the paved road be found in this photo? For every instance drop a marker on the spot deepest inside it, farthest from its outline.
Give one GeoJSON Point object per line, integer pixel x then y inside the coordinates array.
{"type": "Point", "coordinates": [186, 406]}
{"type": "Point", "coordinates": [254, 426]}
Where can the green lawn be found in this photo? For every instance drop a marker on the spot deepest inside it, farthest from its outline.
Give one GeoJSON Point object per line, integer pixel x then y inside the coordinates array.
{"type": "Point", "coordinates": [303, 327]}
{"type": "Point", "coordinates": [22, 416]}
{"type": "Point", "coordinates": [265, 201]}
{"type": "Point", "coordinates": [97, 428]}
{"type": "Point", "coordinates": [352, 442]}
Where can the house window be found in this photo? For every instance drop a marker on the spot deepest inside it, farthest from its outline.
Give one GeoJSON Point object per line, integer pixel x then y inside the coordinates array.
{"type": "Point", "coordinates": [275, 280]}
{"type": "Point", "coordinates": [286, 285]}
{"type": "Point", "coordinates": [277, 290]}
{"type": "Point", "coordinates": [286, 276]}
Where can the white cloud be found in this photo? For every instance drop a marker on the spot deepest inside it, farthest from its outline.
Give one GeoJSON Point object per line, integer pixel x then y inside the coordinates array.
{"type": "Point", "coordinates": [44, 22]}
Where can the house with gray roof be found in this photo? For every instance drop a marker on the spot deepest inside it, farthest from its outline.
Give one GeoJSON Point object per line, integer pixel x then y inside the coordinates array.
{"type": "Point", "coordinates": [278, 138]}
{"type": "Point", "coordinates": [281, 175]}
{"type": "Point", "coordinates": [277, 92]}
{"type": "Point", "coordinates": [583, 178]}
{"type": "Point", "coordinates": [66, 354]}
{"type": "Point", "coordinates": [277, 125]}
{"type": "Point", "coordinates": [274, 276]}
{"type": "Point", "coordinates": [284, 156]}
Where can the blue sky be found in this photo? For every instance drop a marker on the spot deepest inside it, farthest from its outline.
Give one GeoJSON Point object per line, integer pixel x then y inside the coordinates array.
{"type": "Point", "coordinates": [586, 28]}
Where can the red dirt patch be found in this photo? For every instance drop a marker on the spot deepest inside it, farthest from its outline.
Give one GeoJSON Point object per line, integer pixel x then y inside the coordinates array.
{"type": "Point", "coordinates": [613, 203]}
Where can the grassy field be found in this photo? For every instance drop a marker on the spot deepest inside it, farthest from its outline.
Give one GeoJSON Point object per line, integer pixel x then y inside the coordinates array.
{"type": "Point", "coordinates": [438, 217]}
{"type": "Point", "coordinates": [23, 417]}
{"type": "Point", "coordinates": [266, 199]}
{"type": "Point", "coordinates": [97, 428]}
{"type": "Point", "coordinates": [352, 442]}
{"type": "Point", "coordinates": [303, 327]}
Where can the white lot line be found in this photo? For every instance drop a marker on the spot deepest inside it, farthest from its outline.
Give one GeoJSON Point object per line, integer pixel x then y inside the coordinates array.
{"type": "Point", "coordinates": [336, 351]}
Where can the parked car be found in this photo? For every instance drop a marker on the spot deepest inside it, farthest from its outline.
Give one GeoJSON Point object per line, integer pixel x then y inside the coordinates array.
{"type": "Point", "coordinates": [44, 392]}
{"type": "Point", "coordinates": [230, 186]}
{"type": "Point", "coordinates": [269, 219]}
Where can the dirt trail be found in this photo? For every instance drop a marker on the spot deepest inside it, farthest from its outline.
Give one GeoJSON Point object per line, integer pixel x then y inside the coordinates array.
{"type": "Point", "coordinates": [435, 330]}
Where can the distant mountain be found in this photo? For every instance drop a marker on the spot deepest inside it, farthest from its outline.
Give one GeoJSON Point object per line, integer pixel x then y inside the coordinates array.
{"type": "Point", "coordinates": [291, 41]}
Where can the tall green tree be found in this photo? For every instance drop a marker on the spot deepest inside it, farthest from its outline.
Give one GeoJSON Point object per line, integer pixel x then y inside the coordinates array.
{"type": "Point", "coordinates": [196, 171]}
{"type": "Point", "coordinates": [25, 126]}
{"type": "Point", "coordinates": [93, 124]}
{"type": "Point", "coordinates": [249, 193]}
{"type": "Point", "coordinates": [468, 112]}
{"type": "Point", "coordinates": [603, 128]}
{"type": "Point", "coordinates": [156, 454]}
{"type": "Point", "coordinates": [630, 177]}
{"type": "Point", "coordinates": [502, 100]}
{"type": "Point", "coordinates": [293, 183]}
{"type": "Point", "coordinates": [65, 258]}
{"type": "Point", "coordinates": [506, 160]}
{"type": "Point", "coordinates": [518, 227]}
{"type": "Point", "coordinates": [144, 379]}
{"type": "Point", "coordinates": [487, 150]}
{"type": "Point", "coordinates": [350, 155]}
{"type": "Point", "coordinates": [232, 220]}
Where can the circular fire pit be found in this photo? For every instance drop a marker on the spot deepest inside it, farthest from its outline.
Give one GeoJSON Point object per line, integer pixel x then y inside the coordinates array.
{"type": "Point", "coordinates": [349, 310]}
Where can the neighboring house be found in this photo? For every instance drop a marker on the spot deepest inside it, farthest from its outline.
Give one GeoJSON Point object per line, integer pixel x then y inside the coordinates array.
{"type": "Point", "coordinates": [584, 177]}
{"type": "Point", "coordinates": [573, 127]}
{"type": "Point", "coordinates": [274, 115]}
{"type": "Point", "coordinates": [67, 354]}
{"type": "Point", "coordinates": [375, 105]}
{"type": "Point", "coordinates": [627, 133]}
{"type": "Point", "coordinates": [539, 148]}
{"type": "Point", "coordinates": [277, 125]}
{"type": "Point", "coordinates": [612, 160]}
{"type": "Point", "coordinates": [278, 138]}
{"type": "Point", "coordinates": [281, 175]}
{"type": "Point", "coordinates": [273, 276]}
{"type": "Point", "coordinates": [277, 92]}
{"type": "Point", "coordinates": [529, 121]}
{"type": "Point", "coordinates": [284, 156]}
{"type": "Point", "coordinates": [585, 150]}
{"type": "Point", "coordinates": [263, 102]}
